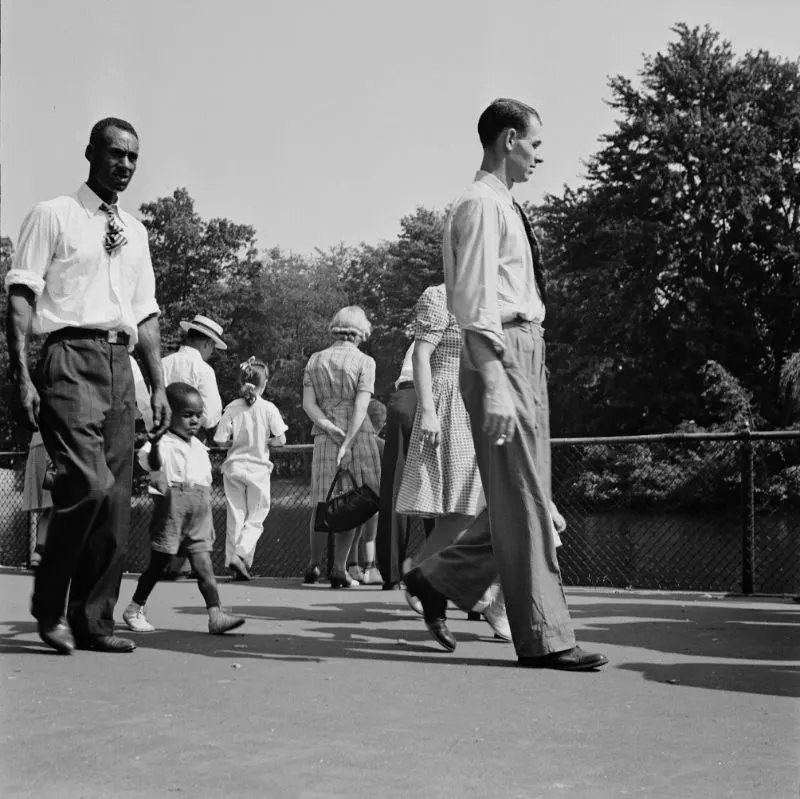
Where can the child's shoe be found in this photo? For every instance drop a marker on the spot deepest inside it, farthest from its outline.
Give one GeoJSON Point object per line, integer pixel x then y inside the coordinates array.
{"type": "Point", "coordinates": [222, 622]}
{"type": "Point", "coordinates": [136, 620]}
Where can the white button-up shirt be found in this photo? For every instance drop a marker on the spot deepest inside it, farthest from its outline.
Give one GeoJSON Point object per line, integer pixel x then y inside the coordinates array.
{"type": "Point", "coordinates": [488, 266]}
{"type": "Point", "coordinates": [187, 366]}
{"type": "Point", "coordinates": [60, 256]}
{"type": "Point", "coordinates": [181, 461]}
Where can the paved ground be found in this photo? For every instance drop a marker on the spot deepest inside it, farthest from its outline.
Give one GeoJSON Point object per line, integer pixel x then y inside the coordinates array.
{"type": "Point", "coordinates": [343, 694]}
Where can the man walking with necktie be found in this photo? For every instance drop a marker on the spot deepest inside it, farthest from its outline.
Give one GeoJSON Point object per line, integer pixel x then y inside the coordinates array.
{"type": "Point", "coordinates": [82, 276]}
{"type": "Point", "coordinates": [495, 288]}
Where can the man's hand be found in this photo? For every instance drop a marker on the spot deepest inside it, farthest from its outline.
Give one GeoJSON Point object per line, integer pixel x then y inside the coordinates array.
{"type": "Point", "coordinates": [25, 402]}
{"type": "Point", "coordinates": [158, 480]}
{"type": "Point", "coordinates": [161, 413]}
{"type": "Point", "coordinates": [500, 418]}
{"type": "Point", "coordinates": [499, 414]}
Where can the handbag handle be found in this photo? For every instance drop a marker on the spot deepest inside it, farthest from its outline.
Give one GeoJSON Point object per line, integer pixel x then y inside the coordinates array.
{"type": "Point", "coordinates": [340, 472]}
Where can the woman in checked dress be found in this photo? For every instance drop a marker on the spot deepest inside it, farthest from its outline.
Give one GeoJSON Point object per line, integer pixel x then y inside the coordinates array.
{"type": "Point", "coordinates": [337, 386]}
{"type": "Point", "coordinates": [440, 478]}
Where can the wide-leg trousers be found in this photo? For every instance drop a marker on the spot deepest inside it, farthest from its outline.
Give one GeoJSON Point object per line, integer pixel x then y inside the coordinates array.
{"type": "Point", "coordinates": [247, 500]}
{"type": "Point", "coordinates": [513, 536]}
{"type": "Point", "coordinates": [87, 424]}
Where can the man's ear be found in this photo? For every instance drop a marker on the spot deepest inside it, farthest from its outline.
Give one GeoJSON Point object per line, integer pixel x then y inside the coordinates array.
{"type": "Point", "coordinates": [510, 136]}
{"type": "Point", "coordinates": [89, 152]}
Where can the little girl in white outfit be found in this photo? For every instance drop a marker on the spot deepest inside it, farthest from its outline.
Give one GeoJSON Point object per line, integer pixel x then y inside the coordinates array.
{"type": "Point", "coordinates": [249, 424]}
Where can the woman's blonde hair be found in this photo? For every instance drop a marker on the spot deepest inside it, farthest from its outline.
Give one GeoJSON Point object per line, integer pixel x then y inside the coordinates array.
{"type": "Point", "coordinates": [349, 323]}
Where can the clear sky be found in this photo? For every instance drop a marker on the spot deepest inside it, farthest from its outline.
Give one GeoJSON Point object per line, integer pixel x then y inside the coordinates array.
{"type": "Point", "coordinates": [321, 121]}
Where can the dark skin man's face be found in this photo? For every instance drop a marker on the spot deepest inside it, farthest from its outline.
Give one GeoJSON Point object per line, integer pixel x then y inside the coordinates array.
{"type": "Point", "coordinates": [112, 164]}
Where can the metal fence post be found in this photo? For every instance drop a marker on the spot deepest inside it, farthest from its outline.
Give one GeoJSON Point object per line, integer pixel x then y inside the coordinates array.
{"type": "Point", "coordinates": [748, 516]}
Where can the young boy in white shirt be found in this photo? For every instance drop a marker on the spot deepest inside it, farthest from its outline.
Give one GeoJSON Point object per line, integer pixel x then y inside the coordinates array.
{"type": "Point", "coordinates": [180, 481]}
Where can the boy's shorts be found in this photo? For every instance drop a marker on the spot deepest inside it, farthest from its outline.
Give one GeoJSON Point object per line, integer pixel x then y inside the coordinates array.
{"type": "Point", "coordinates": [182, 521]}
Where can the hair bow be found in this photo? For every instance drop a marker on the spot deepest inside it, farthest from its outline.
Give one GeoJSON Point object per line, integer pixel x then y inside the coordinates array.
{"type": "Point", "coordinates": [249, 362]}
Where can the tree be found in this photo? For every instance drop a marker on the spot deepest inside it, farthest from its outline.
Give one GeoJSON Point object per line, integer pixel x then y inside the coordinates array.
{"type": "Point", "coordinates": [387, 280]}
{"type": "Point", "coordinates": [10, 433]}
{"type": "Point", "coordinates": [194, 259]}
{"type": "Point", "coordinates": [683, 247]}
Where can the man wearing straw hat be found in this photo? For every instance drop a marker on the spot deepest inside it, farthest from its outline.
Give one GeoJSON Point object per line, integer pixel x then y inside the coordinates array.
{"type": "Point", "coordinates": [190, 365]}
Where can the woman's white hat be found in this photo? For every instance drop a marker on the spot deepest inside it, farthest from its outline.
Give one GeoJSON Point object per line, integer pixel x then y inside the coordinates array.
{"type": "Point", "coordinates": [208, 327]}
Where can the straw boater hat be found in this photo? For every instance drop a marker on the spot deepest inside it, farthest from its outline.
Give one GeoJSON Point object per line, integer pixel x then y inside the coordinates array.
{"type": "Point", "coordinates": [208, 327]}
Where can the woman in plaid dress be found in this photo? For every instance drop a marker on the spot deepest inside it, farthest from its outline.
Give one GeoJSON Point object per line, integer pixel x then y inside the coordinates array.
{"type": "Point", "coordinates": [440, 477]}
{"type": "Point", "coordinates": [337, 385]}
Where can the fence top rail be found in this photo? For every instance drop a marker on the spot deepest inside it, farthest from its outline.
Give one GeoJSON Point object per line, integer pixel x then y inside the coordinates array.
{"type": "Point", "coordinates": [756, 435]}
{"type": "Point", "coordinates": [743, 435]}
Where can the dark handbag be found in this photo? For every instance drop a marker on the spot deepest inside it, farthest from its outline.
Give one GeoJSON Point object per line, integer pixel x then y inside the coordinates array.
{"type": "Point", "coordinates": [347, 509]}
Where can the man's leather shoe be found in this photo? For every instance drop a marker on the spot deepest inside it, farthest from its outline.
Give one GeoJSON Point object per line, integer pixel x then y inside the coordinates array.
{"type": "Point", "coordinates": [105, 643]}
{"type": "Point", "coordinates": [575, 659]}
{"type": "Point", "coordinates": [58, 636]}
{"type": "Point", "coordinates": [434, 607]}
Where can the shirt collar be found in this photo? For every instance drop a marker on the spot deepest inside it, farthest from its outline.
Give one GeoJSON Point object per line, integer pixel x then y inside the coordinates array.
{"type": "Point", "coordinates": [191, 352]}
{"type": "Point", "coordinates": [91, 202]}
{"type": "Point", "coordinates": [177, 439]}
{"type": "Point", "coordinates": [491, 180]}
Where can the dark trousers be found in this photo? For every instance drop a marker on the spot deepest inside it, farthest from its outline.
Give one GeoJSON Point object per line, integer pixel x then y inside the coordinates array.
{"type": "Point", "coordinates": [87, 421]}
{"type": "Point", "coordinates": [394, 529]}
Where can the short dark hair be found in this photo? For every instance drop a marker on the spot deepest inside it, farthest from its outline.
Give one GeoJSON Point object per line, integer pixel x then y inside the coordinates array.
{"type": "Point", "coordinates": [96, 137]}
{"type": "Point", "coordinates": [196, 335]}
{"type": "Point", "coordinates": [178, 395]}
{"type": "Point", "coordinates": [501, 114]}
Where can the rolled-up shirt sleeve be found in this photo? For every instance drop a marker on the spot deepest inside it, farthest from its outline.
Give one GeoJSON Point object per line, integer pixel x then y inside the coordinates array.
{"type": "Point", "coordinates": [143, 302]}
{"type": "Point", "coordinates": [37, 242]}
{"type": "Point", "coordinates": [475, 247]}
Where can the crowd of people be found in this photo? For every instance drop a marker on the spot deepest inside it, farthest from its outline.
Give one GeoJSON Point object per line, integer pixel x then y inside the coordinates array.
{"type": "Point", "coordinates": [466, 441]}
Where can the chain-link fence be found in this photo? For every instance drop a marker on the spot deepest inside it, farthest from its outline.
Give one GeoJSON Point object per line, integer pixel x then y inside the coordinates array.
{"type": "Point", "coordinates": [701, 512]}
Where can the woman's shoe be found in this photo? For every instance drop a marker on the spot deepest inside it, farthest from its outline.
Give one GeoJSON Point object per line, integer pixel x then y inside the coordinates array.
{"type": "Point", "coordinates": [312, 574]}
{"type": "Point", "coordinates": [414, 603]}
{"type": "Point", "coordinates": [356, 572]}
{"type": "Point", "coordinates": [343, 581]}
{"type": "Point", "coordinates": [372, 575]}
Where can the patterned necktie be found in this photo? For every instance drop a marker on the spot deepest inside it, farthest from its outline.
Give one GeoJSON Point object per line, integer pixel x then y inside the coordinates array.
{"type": "Point", "coordinates": [114, 238]}
{"type": "Point", "coordinates": [536, 253]}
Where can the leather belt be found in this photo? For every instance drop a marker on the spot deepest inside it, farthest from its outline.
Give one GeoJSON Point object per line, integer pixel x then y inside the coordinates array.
{"type": "Point", "coordinates": [91, 333]}
{"type": "Point", "coordinates": [405, 384]}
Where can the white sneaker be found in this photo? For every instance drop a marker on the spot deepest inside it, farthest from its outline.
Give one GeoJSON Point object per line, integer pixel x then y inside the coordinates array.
{"type": "Point", "coordinates": [136, 620]}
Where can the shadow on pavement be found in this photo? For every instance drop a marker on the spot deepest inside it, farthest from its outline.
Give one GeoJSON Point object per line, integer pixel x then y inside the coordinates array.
{"type": "Point", "coordinates": [748, 678]}
{"type": "Point", "coordinates": [723, 631]}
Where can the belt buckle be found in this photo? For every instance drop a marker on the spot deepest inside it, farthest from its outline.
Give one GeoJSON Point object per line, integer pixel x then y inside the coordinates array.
{"type": "Point", "coordinates": [113, 336]}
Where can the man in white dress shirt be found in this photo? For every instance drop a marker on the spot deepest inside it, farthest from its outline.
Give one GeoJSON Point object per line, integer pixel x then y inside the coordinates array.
{"type": "Point", "coordinates": [190, 365]}
{"type": "Point", "coordinates": [82, 276]}
{"type": "Point", "coordinates": [495, 288]}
